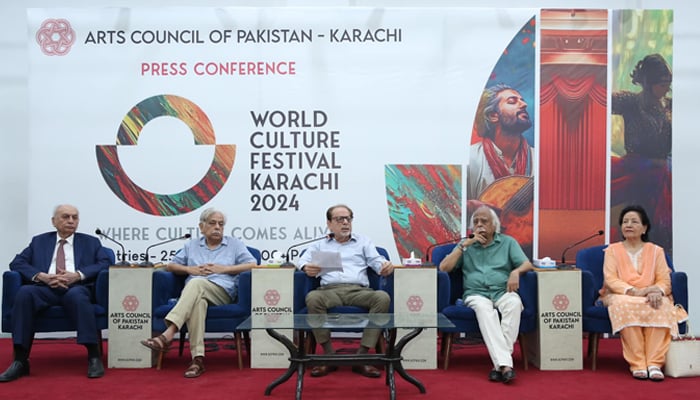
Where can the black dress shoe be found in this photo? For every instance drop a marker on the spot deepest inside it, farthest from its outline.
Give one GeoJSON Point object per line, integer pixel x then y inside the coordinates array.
{"type": "Point", "coordinates": [495, 376]}
{"type": "Point", "coordinates": [322, 370]}
{"type": "Point", "coordinates": [508, 376]}
{"type": "Point", "coordinates": [367, 370]}
{"type": "Point", "coordinates": [16, 370]}
{"type": "Point", "coordinates": [95, 368]}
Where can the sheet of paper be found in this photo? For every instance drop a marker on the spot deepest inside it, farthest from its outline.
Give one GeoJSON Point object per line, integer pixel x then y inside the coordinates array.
{"type": "Point", "coordinates": [328, 261]}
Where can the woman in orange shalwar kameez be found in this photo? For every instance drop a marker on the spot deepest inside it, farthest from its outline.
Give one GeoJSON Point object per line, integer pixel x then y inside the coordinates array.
{"type": "Point", "coordinates": [637, 291]}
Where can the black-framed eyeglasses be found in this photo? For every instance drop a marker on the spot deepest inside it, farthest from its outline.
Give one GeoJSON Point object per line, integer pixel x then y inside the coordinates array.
{"type": "Point", "coordinates": [342, 219]}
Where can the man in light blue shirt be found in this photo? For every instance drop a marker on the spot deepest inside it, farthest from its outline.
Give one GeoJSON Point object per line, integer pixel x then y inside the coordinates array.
{"type": "Point", "coordinates": [347, 287]}
{"type": "Point", "coordinates": [213, 262]}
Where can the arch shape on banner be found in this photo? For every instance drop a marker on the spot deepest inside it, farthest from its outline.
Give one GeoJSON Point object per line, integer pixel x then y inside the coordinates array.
{"type": "Point", "coordinates": [131, 126]}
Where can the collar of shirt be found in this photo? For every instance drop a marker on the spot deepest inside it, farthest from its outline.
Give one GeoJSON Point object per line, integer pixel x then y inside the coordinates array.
{"type": "Point", "coordinates": [69, 240]}
{"type": "Point", "coordinates": [203, 242]}
{"type": "Point", "coordinates": [353, 238]}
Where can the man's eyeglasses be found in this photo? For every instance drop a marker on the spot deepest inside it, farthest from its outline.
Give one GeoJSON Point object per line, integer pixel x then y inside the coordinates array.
{"type": "Point", "coordinates": [340, 220]}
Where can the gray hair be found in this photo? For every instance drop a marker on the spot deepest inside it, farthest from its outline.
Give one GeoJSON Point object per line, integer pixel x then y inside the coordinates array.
{"type": "Point", "coordinates": [207, 213]}
{"type": "Point", "coordinates": [494, 218]}
{"type": "Point", "coordinates": [58, 207]}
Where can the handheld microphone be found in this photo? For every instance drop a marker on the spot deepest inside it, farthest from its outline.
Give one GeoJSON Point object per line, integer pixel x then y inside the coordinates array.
{"type": "Point", "coordinates": [563, 254]}
{"type": "Point", "coordinates": [288, 263]}
{"type": "Point", "coordinates": [122, 262]}
{"type": "Point", "coordinates": [147, 262]}
{"type": "Point", "coordinates": [429, 250]}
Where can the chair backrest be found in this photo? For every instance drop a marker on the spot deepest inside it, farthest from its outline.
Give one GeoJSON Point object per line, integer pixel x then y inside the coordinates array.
{"type": "Point", "coordinates": [255, 253]}
{"type": "Point", "coordinates": [383, 252]}
{"type": "Point", "coordinates": [110, 253]}
{"type": "Point", "coordinates": [440, 252]}
{"type": "Point", "coordinates": [591, 259]}
{"type": "Point", "coordinates": [380, 283]}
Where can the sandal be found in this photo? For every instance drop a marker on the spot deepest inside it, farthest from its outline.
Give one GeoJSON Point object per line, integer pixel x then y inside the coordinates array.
{"type": "Point", "coordinates": [196, 368]}
{"type": "Point", "coordinates": [655, 374]}
{"type": "Point", "coordinates": [640, 374]}
{"type": "Point", "coordinates": [158, 344]}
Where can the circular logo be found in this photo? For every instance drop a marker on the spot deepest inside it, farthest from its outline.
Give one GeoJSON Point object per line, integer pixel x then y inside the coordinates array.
{"type": "Point", "coordinates": [128, 135]}
{"type": "Point", "coordinates": [414, 303]}
{"type": "Point", "coordinates": [130, 303]}
{"type": "Point", "coordinates": [272, 297]}
{"type": "Point", "coordinates": [560, 302]}
{"type": "Point", "coordinates": [55, 37]}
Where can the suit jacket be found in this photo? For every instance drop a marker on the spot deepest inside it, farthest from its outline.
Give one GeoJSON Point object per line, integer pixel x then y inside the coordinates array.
{"type": "Point", "coordinates": [90, 256]}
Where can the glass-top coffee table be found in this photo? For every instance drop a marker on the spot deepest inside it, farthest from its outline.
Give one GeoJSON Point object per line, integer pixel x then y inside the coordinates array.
{"type": "Point", "coordinates": [299, 360]}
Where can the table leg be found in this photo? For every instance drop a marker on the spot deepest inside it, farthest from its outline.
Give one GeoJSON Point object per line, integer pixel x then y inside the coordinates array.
{"type": "Point", "coordinates": [391, 380]}
{"type": "Point", "coordinates": [294, 365]}
{"type": "Point", "coordinates": [396, 353]}
{"type": "Point", "coordinates": [300, 380]}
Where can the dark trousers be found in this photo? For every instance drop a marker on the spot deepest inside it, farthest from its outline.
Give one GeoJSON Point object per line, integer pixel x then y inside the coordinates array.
{"type": "Point", "coordinates": [32, 299]}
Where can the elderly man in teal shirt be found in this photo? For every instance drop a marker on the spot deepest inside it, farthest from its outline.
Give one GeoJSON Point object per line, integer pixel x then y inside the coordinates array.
{"type": "Point", "coordinates": [491, 264]}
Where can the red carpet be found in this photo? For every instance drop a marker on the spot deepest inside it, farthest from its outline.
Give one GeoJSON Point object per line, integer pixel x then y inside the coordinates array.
{"type": "Point", "coordinates": [58, 369]}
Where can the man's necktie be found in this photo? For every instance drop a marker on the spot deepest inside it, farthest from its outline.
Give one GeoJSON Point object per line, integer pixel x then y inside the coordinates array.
{"type": "Point", "coordinates": [60, 257]}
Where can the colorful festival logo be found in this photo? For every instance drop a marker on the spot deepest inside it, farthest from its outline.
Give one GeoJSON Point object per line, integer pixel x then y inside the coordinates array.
{"type": "Point", "coordinates": [166, 204]}
{"type": "Point", "coordinates": [55, 37]}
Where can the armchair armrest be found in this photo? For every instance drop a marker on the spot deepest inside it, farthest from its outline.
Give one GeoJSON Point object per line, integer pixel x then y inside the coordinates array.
{"type": "Point", "coordinates": [589, 293]}
{"type": "Point", "coordinates": [244, 290]}
{"type": "Point", "coordinates": [528, 295]}
{"type": "Point", "coordinates": [165, 287]}
{"type": "Point", "coordinates": [443, 290]}
{"type": "Point", "coordinates": [102, 288]}
{"type": "Point", "coordinates": [11, 282]}
{"type": "Point", "coordinates": [386, 283]}
{"type": "Point", "coordinates": [528, 290]}
{"type": "Point", "coordinates": [303, 284]}
{"type": "Point", "coordinates": [679, 288]}
{"type": "Point", "coordinates": [300, 289]}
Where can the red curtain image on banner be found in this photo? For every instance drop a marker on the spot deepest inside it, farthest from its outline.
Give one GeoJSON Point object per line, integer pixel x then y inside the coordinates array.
{"type": "Point", "coordinates": [573, 127]}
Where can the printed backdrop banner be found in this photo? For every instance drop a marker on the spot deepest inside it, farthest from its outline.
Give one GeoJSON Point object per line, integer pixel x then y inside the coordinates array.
{"type": "Point", "coordinates": [271, 115]}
